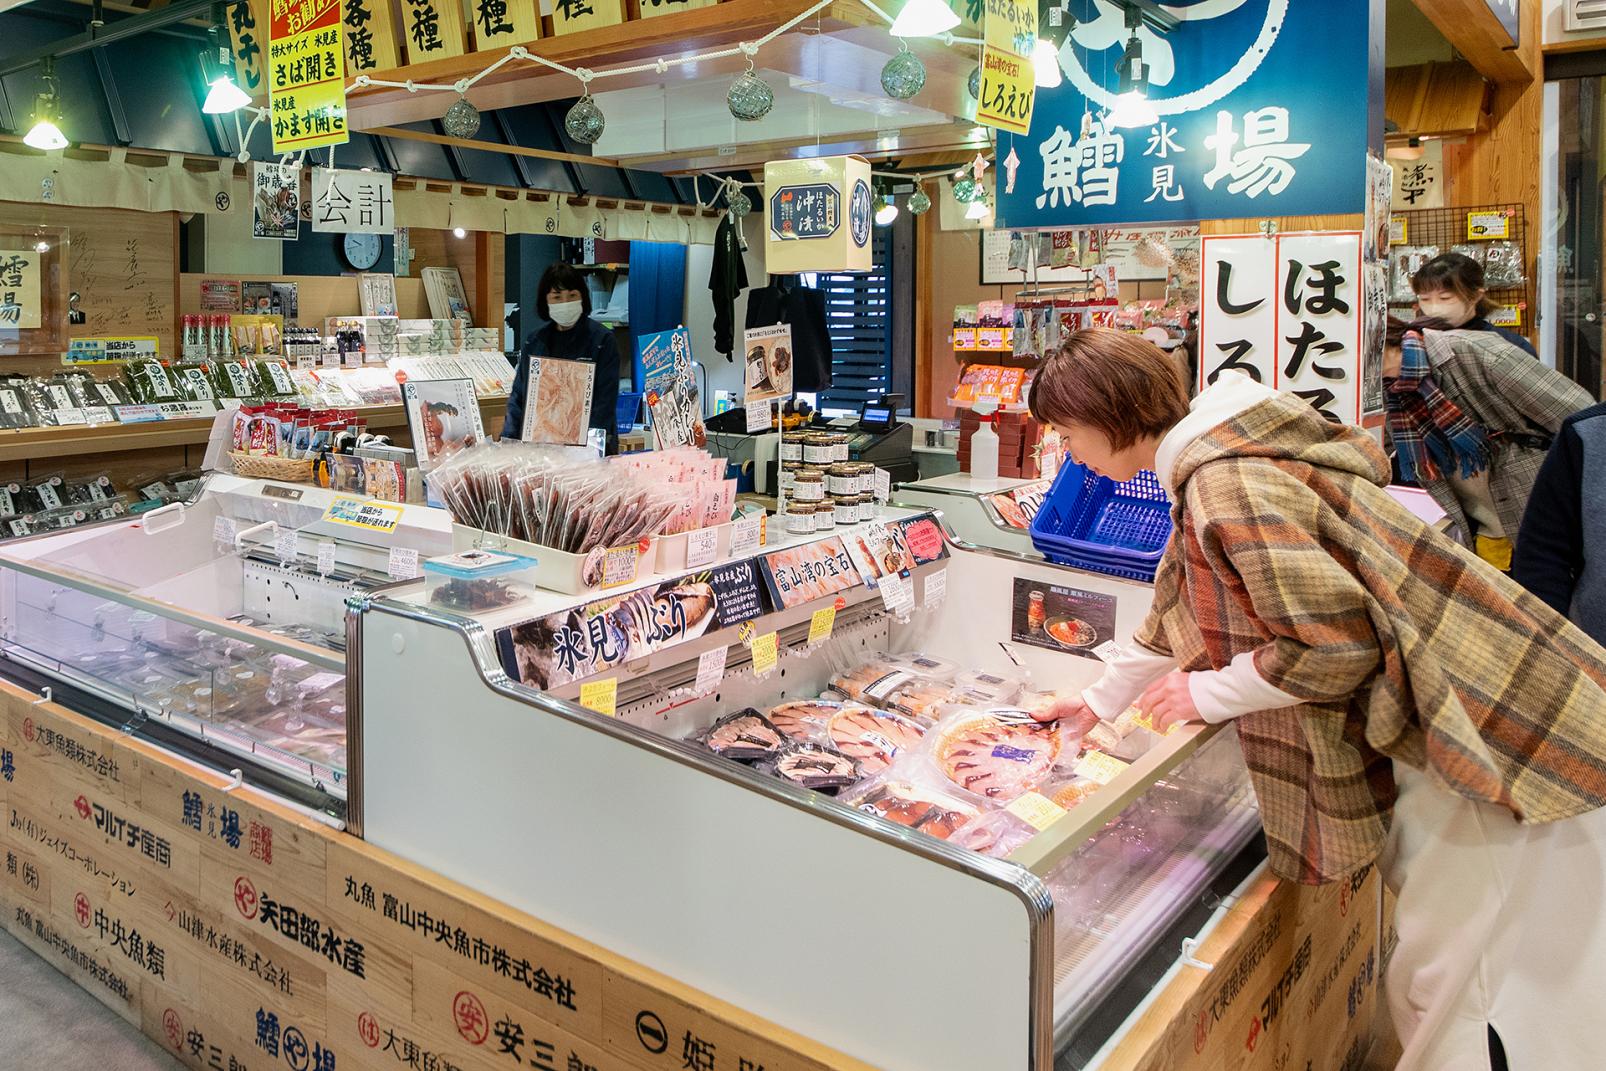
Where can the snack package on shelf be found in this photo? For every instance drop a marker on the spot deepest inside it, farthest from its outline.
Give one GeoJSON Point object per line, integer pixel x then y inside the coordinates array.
{"type": "Point", "coordinates": [233, 379]}
{"type": "Point", "coordinates": [1404, 262]}
{"type": "Point", "coordinates": [16, 408]}
{"type": "Point", "coordinates": [52, 402]}
{"type": "Point", "coordinates": [194, 383]}
{"type": "Point", "coordinates": [149, 381]}
{"type": "Point", "coordinates": [1502, 266]}
{"type": "Point", "coordinates": [88, 392]}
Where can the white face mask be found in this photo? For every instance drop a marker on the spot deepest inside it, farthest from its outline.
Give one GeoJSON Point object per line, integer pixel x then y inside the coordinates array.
{"type": "Point", "coordinates": [566, 313]}
{"type": "Point", "coordinates": [1453, 312]}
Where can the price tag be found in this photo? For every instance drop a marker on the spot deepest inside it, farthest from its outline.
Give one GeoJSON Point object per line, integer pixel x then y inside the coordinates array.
{"type": "Point", "coordinates": [326, 558]}
{"type": "Point", "coordinates": [710, 670]}
{"type": "Point", "coordinates": [403, 563]}
{"type": "Point", "coordinates": [1107, 651]}
{"type": "Point", "coordinates": [766, 652]}
{"type": "Point", "coordinates": [284, 545]}
{"type": "Point", "coordinates": [701, 546]}
{"type": "Point", "coordinates": [821, 625]}
{"type": "Point", "coordinates": [883, 485]}
{"type": "Point", "coordinates": [1036, 810]}
{"type": "Point", "coordinates": [70, 416]}
{"type": "Point", "coordinates": [746, 534]}
{"type": "Point", "coordinates": [758, 416]}
{"type": "Point", "coordinates": [619, 565]}
{"type": "Point", "coordinates": [223, 530]}
{"type": "Point", "coordinates": [98, 414]}
{"type": "Point", "coordinates": [1097, 766]}
{"type": "Point", "coordinates": [897, 593]}
{"type": "Point", "coordinates": [601, 696]}
{"type": "Point", "coordinates": [936, 588]}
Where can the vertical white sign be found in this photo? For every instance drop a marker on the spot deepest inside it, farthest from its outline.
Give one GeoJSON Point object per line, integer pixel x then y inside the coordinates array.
{"type": "Point", "coordinates": [1319, 287]}
{"type": "Point", "coordinates": [1238, 308]}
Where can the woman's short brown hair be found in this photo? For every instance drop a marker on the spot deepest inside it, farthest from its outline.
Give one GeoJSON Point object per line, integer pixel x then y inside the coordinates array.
{"type": "Point", "coordinates": [1119, 383]}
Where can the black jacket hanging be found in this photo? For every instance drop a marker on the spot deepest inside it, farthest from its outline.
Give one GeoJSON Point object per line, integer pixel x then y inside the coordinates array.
{"type": "Point", "coordinates": [785, 302]}
{"type": "Point", "coordinates": [727, 279]}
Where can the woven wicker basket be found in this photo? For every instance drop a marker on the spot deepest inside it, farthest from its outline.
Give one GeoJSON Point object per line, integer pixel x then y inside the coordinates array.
{"type": "Point", "coordinates": [283, 469]}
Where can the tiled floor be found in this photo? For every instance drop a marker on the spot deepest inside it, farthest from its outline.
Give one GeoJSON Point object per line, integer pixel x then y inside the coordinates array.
{"type": "Point", "coordinates": [47, 1022]}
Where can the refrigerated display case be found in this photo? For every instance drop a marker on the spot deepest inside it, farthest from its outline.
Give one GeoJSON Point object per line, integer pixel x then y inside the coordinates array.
{"type": "Point", "coordinates": [993, 513]}
{"type": "Point", "coordinates": [896, 947]}
{"type": "Point", "coordinates": [215, 627]}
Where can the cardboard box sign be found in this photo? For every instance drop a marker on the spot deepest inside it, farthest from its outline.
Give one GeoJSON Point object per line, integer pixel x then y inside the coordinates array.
{"type": "Point", "coordinates": [818, 215]}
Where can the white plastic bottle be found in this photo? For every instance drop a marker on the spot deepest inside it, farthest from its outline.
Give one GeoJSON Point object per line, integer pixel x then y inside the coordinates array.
{"type": "Point", "coordinates": [984, 442]}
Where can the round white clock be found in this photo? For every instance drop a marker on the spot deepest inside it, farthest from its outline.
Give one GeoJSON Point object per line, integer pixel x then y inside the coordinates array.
{"type": "Point", "coordinates": [362, 250]}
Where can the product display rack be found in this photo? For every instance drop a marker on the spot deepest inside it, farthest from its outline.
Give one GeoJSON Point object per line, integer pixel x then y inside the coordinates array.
{"type": "Point", "coordinates": [1447, 227]}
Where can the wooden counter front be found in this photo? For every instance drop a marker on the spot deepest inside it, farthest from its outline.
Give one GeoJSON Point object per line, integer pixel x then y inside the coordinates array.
{"type": "Point", "coordinates": [237, 933]}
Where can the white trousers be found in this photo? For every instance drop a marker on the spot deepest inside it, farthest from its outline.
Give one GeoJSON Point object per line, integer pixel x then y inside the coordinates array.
{"type": "Point", "coordinates": [1499, 924]}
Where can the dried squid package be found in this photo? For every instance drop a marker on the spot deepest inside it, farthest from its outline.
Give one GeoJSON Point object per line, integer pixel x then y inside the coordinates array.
{"type": "Point", "coordinates": [1404, 262]}
{"type": "Point", "coordinates": [1502, 266]}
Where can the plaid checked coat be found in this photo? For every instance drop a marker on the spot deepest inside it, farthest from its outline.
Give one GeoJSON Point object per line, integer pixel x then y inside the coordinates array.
{"type": "Point", "coordinates": [1517, 400]}
{"type": "Point", "coordinates": [1404, 646]}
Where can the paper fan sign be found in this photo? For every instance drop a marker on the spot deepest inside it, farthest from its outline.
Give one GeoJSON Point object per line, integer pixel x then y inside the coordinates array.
{"type": "Point", "coordinates": [768, 363]}
{"type": "Point", "coordinates": [673, 400]}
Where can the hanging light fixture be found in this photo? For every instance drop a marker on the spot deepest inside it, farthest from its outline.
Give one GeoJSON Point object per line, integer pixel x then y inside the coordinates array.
{"type": "Point", "coordinates": [223, 95]}
{"type": "Point", "coordinates": [1046, 64]}
{"type": "Point", "coordinates": [45, 134]}
{"type": "Point", "coordinates": [924, 18]}
{"type": "Point", "coordinates": [888, 211]}
{"type": "Point", "coordinates": [462, 119]}
{"type": "Point", "coordinates": [459, 232]}
{"type": "Point", "coordinates": [1132, 107]}
{"type": "Point", "coordinates": [974, 85]}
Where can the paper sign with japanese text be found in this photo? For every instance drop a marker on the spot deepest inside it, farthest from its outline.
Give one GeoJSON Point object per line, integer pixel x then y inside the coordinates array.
{"type": "Point", "coordinates": [572, 16]}
{"type": "Point", "coordinates": [432, 29]}
{"type": "Point", "coordinates": [275, 201]}
{"type": "Point", "coordinates": [1258, 108]}
{"type": "Point", "coordinates": [370, 37]}
{"type": "Point", "coordinates": [766, 652]}
{"type": "Point", "coordinates": [306, 74]}
{"type": "Point", "coordinates": [1008, 89]}
{"type": "Point", "coordinates": [501, 23]}
{"type": "Point", "coordinates": [110, 351]}
{"type": "Point", "coordinates": [672, 400]}
{"type": "Point", "coordinates": [367, 514]}
{"type": "Point", "coordinates": [20, 295]}
{"type": "Point", "coordinates": [601, 696]}
{"type": "Point", "coordinates": [352, 202]}
{"type": "Point", "coordinates": [248, 29]}
{"type": "Point", "coordinates": [812, 571]}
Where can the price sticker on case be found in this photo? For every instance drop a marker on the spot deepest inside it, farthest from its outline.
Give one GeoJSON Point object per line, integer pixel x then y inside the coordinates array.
{"type": "Point", "coordinates": [758, 416]}
{"type": "Point", "coordinates": [936, 588]}
{"type": "Point", "coordinates": [403, 563]}
{"type": "Point", "coordinates": [710, 670]}
{"type": "Point", "coordinates": [897, 593]}
{"type": "Point", "coordinates": [1036, 810]}
{"type": "Point", "coordinates": [619, 565]}
{"type": "Point", "coordinates": [766, 652]}
{"type": "Point", "coordinates": [1097, 766]}
{"type": "Point", "coordinates": [821, 624]}
{"type": "Point", "coordinates": [701, 546]}
{"type": "Point", "coordinates": [284, 545]}
{"type": "Point", "coordinates": [326, 558]}
{"type": "Point", "coordinates": [1107, 651]}
{"type": "Point", "coordinates": [746, 534]}
{"type": "Point", "coordinates": [601, 696]}
{"type": "Point", "coordinates": [223, 530]}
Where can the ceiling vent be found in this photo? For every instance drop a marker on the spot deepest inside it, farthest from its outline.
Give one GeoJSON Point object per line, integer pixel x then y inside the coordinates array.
{"type": "Point", "coordinates": [1584, 15]}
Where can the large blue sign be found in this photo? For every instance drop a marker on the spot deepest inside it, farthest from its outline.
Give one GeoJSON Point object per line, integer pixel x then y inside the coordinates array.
{"type": "Point", "coordinates": [1265, 108]}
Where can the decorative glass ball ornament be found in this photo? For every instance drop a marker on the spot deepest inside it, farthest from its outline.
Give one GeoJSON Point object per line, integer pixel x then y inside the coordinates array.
{"type": "Point", "coordinates": [585, 121]}
{"type": "Point", "coordinates": [462, 119]}
{"type": "Point", "coordinates": [919, 202]}
{"type": "Point", "coordinates": [975, 83]}
{"type": "Point", "coordinates": [739, 204]}
{"type": "Point", "coordinates": [965, 190]}
{"type": "Point", "coordinates": [750, 97]}
{"type": "Point", "coordinates": [904, 75]}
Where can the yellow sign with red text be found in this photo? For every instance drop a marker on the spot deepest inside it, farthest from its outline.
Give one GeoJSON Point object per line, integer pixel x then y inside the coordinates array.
{"type": "Point", "coordinates": [306, 74]}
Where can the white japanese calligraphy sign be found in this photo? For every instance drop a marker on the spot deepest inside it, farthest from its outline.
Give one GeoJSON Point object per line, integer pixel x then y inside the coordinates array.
{"type": "Point", "coordinates": [1286, 311]}
{"type": "Point", "coordinates": [352, 202]}
{"type": "Point", "coordinates": [19, 289]}
{"type": "Point", "coordinates": [1419, 183]}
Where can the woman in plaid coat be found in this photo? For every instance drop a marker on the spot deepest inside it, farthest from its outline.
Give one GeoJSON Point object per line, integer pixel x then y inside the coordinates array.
{"type": "Point", "coordinates": [1398, 700]}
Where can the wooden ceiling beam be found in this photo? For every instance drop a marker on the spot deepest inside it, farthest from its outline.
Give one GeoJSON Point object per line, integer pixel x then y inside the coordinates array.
{"type": "Point", "coordinates": [490, 146]}
{"type": "Point", "coordinates": [1473, 29]}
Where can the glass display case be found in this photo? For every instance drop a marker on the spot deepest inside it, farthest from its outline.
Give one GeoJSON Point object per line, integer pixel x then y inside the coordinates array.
{"type": "Point", "coordinates": [216, 626]}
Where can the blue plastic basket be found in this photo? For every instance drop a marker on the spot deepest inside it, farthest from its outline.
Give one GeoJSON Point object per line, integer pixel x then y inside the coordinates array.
{"type": "Point", "coordinates": [625, 410]}
{"type": "Point", "coordinates": [1092, 522]}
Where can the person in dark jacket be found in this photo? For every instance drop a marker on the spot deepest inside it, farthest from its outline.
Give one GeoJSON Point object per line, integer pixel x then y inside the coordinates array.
{"type": "Point", "coordinates": [786, 301]}
{"type": "Point", "coordinates": [1450, 287]}
{"type": "Point", "coordinates": [570, 335]}
{"type": "Point", "coordinates": [1561, 555]}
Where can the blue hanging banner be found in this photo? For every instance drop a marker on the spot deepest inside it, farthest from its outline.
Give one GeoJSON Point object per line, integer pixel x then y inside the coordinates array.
{"type": "Point", "coordinates": [1260, 108]}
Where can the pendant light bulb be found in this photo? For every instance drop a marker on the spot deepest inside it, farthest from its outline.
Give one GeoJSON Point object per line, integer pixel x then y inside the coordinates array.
{"type": "Point", "coordinates": [459, 232]}
{"type": "Point", "coordinates": [45, 135]}
{"type": "Point", "coordinates": [223, 93]}
{"type": "Point", "coordinates": [224, 97]}
{"type": "Point", "coordinates": [924, 18]}
{"type": "Point", "coordinates": [1046, 64]}
{"type": "Point", "coordinates": [887, 212]}
{"type": "Point", "coordinates": [1132, 107]}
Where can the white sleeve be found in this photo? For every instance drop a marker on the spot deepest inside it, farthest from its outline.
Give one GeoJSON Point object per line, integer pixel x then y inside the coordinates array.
{"type": "Point", "coordinates": [1223, 694]}
{"type": "Point", "coordinates": [1125, 677]}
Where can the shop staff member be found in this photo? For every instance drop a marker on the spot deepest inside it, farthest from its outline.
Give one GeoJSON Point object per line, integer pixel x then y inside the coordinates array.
{"type": "Point", "coordinates": [570, 335]}
{"type": "Point", "coordinates": [1398, 701]}
{"type": "Point", "coordinates": [1450, 288]}
{"type": "Point", "coordinates": [1471, 417]}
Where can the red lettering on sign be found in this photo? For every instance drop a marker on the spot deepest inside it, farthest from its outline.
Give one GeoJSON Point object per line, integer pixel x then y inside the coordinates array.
{"type": "Point", "coordinates": [80, 910]}
{"type": "Point", "coordinates": [469, 1015]}
{"type": "Point", "coordinates": [368, 1030]}
{"type": "Point", "coordinates": [173, 1028]}
{"type": "Point", "coordinates": [245, 898]}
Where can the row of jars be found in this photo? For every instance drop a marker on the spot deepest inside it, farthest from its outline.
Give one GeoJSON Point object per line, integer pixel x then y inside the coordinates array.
{"type": "Point", "coordinates": [811, 483]}
{"type": "Point", "coordinates": [805, 517]}
{"type": "Point", "coordinates": [814, 447]}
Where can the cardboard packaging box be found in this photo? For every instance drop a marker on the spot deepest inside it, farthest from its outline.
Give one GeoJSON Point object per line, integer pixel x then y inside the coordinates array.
{"type": "Point", "coordinates": [819, 215]}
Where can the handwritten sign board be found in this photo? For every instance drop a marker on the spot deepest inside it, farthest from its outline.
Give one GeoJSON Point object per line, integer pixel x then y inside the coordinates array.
{"type": "Point", "coordinates": [20, 297]}
{"type": "Point", "coordinates": [370, 37]}
{"type": "Point", "coordinates": [306, 75]}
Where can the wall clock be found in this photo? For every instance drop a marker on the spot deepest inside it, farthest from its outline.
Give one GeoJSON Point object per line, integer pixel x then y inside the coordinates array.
{"type": "Point", "coordinates": [362, 250]}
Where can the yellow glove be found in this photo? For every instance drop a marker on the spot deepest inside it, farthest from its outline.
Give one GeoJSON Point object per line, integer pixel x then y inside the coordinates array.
{"type": "Point", "coordinates": [1496, 551]}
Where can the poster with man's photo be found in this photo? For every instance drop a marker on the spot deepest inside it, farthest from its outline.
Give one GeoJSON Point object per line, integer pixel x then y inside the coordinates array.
{"type": "Point", "coordinates": [1061, 619]}
{"type": "Point", "coordinates": [444, 417]}
{"type": "Point", "coordinates": [275, 201]}
{"type": "Point", "coordinates": [769, 363]}
{"type": "Point", "coordinates": [672, 397]}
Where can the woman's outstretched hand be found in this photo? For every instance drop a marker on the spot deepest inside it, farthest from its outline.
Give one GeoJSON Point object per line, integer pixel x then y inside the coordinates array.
{"type": "Point", "coordinates": [1070, 709]}
{"type": "Point", "coordinates": [1168, 702]}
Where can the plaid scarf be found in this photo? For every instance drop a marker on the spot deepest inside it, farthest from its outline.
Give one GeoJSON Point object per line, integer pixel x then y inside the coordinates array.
{"type": "Point", "coordinates": [1430, 432]}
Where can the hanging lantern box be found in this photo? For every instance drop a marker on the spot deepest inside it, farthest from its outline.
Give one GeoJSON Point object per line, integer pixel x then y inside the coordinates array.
{"type": "Point", "coordinates": [818, 215]}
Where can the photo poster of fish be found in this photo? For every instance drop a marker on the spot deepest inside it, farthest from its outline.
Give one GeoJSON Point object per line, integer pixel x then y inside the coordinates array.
{"type": "Point", "coordinates": [812, 571]}
{"type": "Point", "coordinates": [583, 641]}
{"type": "Point", "coordinates": [557, 401]}
{"type": "Point", "coordinates": [444, 417]}
{"type": "Point", "coordinates": [672, 397]}
{"type": "Point", "coordinates": [768, 363]}
{"type": "Point", "coordinates": [1061, 619]}
{"type": "Point", "coordinates": [879, 550]}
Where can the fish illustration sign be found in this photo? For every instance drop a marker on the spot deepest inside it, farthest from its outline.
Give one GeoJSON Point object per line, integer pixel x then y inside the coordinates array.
{"type": "Point", "coordinates": [1261, 107]}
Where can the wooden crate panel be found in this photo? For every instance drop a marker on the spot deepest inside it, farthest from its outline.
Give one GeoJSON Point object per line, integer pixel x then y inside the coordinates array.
{"type": "Point", "coordinates": [61, 745]}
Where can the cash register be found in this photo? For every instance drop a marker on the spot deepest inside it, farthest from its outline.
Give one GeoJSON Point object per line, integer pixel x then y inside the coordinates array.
{"type": "Point", "coordinates": [879, 437]}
